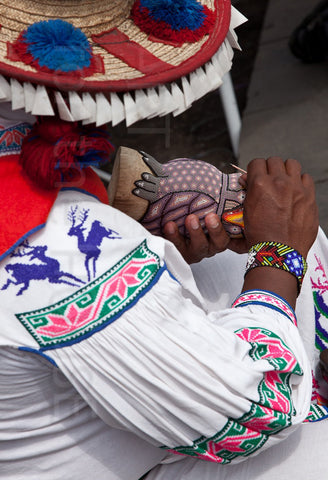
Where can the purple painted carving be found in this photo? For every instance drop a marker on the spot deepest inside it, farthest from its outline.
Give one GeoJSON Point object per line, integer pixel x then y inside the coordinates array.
{"type": "Point", "coordinates": [89, 244]}
{"type": "Point", "coordinates": [48, 269]}
{"type": "Point", "coordinates": [183, 186]}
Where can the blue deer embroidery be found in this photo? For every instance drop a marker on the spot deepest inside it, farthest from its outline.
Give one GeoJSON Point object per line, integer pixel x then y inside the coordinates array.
{"type": "Point", "coordinates": [48, 269]}
{"type": "Point", "coordinates": [89, 244]}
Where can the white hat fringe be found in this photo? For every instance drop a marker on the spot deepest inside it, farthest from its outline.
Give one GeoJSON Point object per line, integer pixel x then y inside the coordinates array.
{"type": "Point", "coordinates": [134, 106]}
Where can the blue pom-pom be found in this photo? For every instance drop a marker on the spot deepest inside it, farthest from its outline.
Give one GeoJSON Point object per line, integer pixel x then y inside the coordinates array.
{"type": "Point", "coordinates": [179, 14]}
{"type": "Point", "coordinates": [58, 45]}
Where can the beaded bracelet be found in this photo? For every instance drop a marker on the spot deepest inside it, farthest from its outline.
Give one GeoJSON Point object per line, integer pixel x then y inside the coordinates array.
{"type": "Point", "coordinates": [278, 255]}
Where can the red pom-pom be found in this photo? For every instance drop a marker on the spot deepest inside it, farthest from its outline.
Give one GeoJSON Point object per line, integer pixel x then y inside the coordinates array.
{"type": "Point", "coordinates": [163, 31]}
{"type": "Point", "coordinates": [55, 151]}
{"type": "Point", "coordinates": [18, 51]}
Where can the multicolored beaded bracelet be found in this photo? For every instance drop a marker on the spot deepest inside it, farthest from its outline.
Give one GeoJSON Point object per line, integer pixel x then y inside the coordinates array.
{"type": "Point", "coordinates": [278, 255]}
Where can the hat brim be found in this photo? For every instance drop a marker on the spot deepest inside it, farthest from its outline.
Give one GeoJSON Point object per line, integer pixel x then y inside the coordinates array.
{"type": "Point", "coordinates": [143, 77]}
{"type": "Point", "coordinates": [160, 72]}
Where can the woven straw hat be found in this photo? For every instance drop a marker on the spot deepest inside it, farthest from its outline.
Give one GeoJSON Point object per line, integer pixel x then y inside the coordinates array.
{"type": "Point", "coordinates": [101, 61]}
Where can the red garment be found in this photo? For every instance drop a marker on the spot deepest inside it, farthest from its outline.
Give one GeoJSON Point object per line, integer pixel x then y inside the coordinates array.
{"type": "Point", "coordinates": [25, 207]}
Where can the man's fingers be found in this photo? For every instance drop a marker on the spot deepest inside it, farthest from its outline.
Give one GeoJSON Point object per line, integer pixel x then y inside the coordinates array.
{"type": "Point", "coordinates": [308, 182]}
{"type": "Point", "coordinates": [218, 237]}
{"type": "Point", "coordinates": [198, 242]}
{"type": "Point", "coordinates": [257, 166]}
{"type": "Point", "coordinates": [171, 232]}
{"type": "Point", "coordinates": [276, 166]}
{"type": "Point", "coordinates": [293, 167]}
{"type": "Point", "coordinates": [198, 245]}
{"type": "Point", "coordinates": [280, 204]}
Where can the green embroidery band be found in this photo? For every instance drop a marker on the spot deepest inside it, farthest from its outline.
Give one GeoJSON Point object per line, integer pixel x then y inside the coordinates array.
{"type": "Point", "coordinates": [272, 413]}
{"type": "Point", "coordinates": [316, 413]}
{"type": "Point", "coordinates": [97, 304]}
{"type": "Point", "coordinates": [277, 255]}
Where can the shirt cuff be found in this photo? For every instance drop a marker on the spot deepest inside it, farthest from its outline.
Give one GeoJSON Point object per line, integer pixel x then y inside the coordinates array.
{"type": "Point", "coordinates": [266, 299]}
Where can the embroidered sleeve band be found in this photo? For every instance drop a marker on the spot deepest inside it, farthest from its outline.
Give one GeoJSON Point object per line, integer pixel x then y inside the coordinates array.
{"type": "Point", "coordinates": [278, 255]}
{"type": "Point", "coordinates": [270, 415]}
{"type": "Point", "coordinates": [266, 299]}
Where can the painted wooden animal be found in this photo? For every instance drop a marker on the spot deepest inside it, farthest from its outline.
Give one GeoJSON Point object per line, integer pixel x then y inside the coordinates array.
{"type": "Point", "coordinates": [155, 193]}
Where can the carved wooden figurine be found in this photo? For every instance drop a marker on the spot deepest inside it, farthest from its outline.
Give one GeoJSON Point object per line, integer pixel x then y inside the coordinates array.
{"type": "Point", "coordinates": [155, 193]}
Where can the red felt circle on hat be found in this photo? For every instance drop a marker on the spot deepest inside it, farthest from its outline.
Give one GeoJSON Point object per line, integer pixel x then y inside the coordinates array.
{"type": "Point", "coordinates": [149, 78]}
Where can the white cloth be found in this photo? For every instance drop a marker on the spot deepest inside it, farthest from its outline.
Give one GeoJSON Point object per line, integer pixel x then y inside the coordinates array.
{"type": "Point", "coordinates": [302, 455]}
{"type": "Point", "coordinates": [164, 368]}
{"type": "Point", "coordinates": [109, 350]}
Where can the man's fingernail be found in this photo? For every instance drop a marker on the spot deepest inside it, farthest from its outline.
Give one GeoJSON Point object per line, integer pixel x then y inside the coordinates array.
{"type": "Point", "coordinates": [213, 222]}
{"type": "Point", "coordinates": [194, 222]}
{"type": "Point", "coordinates": [170, 229]}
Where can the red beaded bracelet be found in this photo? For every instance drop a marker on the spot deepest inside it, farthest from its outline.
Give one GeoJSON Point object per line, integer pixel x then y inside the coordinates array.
{"type": "Point", "coordinates": [278, 255]}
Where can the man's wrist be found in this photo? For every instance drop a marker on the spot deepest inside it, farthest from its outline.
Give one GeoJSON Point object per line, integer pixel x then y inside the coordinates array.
{"type": "Point", "coordinates": [279, 256]}
{"type": "Point", "coordinates": [272, 279]}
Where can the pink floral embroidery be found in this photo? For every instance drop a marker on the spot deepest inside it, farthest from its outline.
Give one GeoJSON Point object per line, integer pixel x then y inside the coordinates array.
{"type": "Point", "coordinates": [63, 325]}
{"type": "Point", "coordinates": [76, 317]}
{"type": "Point", "coordinates": [206, 455]}
{"type": "Point", "coordinates": [275, 347]}
{"type": "Point", "coordinates": [266, 299]}
{"type": "Point", "coordinates": [264, 419]}
{"type": "Point", "coordinates": [233, 441]}
{"type": "Point", "coordinates": [96, 305]}
{"type": "Point", "coordinates": [315, 389]}
{"type": "Point", "coordinates": [271, 414]}
{"type": "Point", "coordinates": [280, 401]}
{"type": "Point", "coordinates": [11, 138]}
{"type": "Point", "coordinates": [321, 282]}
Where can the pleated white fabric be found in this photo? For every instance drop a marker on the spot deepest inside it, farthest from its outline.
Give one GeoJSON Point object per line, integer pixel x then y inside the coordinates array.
{"type": "Point", "coordinates": [169, 370]}
{"type": "Point", "coordinates": [173, 366]}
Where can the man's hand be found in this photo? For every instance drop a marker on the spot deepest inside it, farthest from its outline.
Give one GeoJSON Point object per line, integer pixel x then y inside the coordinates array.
{"type": "Point", "coordinates": [200, 245]}
{"type": "Point", "coordinates": [280, 204]}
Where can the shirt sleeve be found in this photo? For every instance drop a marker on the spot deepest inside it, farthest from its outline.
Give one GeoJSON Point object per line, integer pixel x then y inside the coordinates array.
{"type": "Point", "coordinates": [219, 386]}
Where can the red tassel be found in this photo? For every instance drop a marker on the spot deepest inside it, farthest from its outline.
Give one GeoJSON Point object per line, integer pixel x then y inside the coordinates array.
{"type": "Point", "coordinates": [55, 151]}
